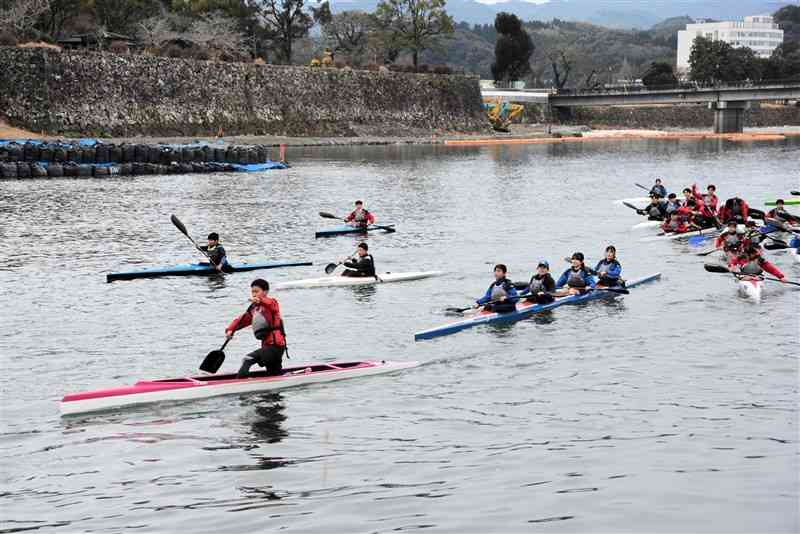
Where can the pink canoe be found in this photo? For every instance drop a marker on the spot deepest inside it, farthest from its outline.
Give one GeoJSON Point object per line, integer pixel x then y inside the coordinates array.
{"type": "Point", "coordinates": [200, 387]}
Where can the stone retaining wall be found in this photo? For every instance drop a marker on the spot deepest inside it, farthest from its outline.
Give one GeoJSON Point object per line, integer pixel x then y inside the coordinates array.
{"type": "Point", "coordinates": [103, 94]}
{"type": "Point", "coordinates": [683, 116]}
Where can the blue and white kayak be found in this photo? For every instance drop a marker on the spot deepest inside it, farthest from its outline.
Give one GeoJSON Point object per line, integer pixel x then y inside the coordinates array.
{"type": "Point", "coordinates": [672, 236]}
{"type": "Point", "coordinates": [200, 269]}
{"type": "Point", "coordinates": [349, 229]}
{"type": "Point", "coordinates": [524, 309]}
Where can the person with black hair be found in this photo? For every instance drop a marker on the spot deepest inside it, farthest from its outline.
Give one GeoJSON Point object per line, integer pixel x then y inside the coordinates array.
{"type": "Point", "coordinates": [264, 314]}
{"type": "Point", "coordinates": [577, 278]}
{"type": "Point", "coordinates": [501, 297]}
{"type": "Point", "coordinates": [216, 253]}
{"type": "Point", "coordinates": [609, 270]}
{"type": "Point", "coordinates": [360, 216]}
{"type": "Point", "coordinates": [541, 285]}
{"type": "Point", "coordinates": [360, 265]}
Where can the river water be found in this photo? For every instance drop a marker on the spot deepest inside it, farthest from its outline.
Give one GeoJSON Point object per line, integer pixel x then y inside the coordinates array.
{"type": "Point", "coordinates": [672, 409]}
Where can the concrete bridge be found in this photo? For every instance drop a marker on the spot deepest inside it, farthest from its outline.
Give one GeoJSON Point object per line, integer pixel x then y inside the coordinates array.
{"type": "Point", "coordinates": [728, 102]}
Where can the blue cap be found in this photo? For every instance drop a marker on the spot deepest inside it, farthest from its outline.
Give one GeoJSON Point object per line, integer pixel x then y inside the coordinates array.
{"type": "Point", "coordinates": [544, 264]}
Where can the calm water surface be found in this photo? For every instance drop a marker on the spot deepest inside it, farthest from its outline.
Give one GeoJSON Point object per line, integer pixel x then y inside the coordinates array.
{"type": "Point", "coordinates": [673, 409]}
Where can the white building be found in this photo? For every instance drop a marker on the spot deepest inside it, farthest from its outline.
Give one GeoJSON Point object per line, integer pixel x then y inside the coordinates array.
{"type": "Point", "coordinates": [757, 32]}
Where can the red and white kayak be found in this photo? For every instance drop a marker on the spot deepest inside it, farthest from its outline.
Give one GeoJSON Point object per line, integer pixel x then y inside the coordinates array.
{"type": "Point", "coordinates": [201, 387]}
{"type": "Point", "coordinates": [750, 287]}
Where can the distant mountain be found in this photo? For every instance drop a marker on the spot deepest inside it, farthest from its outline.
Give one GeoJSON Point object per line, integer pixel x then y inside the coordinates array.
{"type": "Point", "coordinates": [624, 14]}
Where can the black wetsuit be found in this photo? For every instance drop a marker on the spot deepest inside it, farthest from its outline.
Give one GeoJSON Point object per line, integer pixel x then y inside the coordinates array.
{"type": "Point", "coordinates": [360, 266]}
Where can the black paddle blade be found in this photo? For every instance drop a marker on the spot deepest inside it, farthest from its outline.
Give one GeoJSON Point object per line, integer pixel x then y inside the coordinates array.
{"type": "Point", "coordinates": [457, 310]}
{"type": "Point", "coordinates": [776, 246]}
{"type": "Point", "coordinates": [756, 214]}
{"type": "Point", "coordinates": [388, 229]}
{"type": "Point", "coordinates": [795, 193]}
{"type": "Point", "coordinates": [331, 267]}
{"type": "Point", "coordinates": [178, 224]}
{"type": "Point", "coordinates": [715, 268]}
{"type": "Point", "coordinates": [326, 215]}
{"type": "Point", "coordinates": [631, 206]}
{"type": "Point", "coordinates": [213, 361]}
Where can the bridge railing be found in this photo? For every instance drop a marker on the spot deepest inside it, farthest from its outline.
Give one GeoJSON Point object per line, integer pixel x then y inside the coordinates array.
{"type": "Point", "coordinates": [682, 86]}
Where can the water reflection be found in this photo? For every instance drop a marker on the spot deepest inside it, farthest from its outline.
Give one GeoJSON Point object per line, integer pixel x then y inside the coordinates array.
{"type": "Point", "coordinates": [364, 294]}
{"type": "Point", "coordinates": [267, 424]}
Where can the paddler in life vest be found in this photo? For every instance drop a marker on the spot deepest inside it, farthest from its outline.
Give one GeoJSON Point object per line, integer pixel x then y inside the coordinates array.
{"type": "Point", "coordinates": [780, 214]}
{"type": "Point", "coordinates": [751, 262]}
{"type": "Point", "coordinates": [360, 216]}
{"type": "Point", "coordinates": [541, 285]}
{"type": "Point", "coordinates": [711, 194]}
{"type": "Point", "coordinates": [673, 204]}
{"type": "Point", "coordinates": [658, 189]}
{"type": "Point", "coordinates": [501, 297]}
{"type": "Point", "coordinates": [688, 200]}
{"type": "Point", "coordinates": [735, 209]}
{"type": "Point", "coordinates": [704, 214]}
{"type": "Point", "coordinates": [679, 221]}
{"type": "Point", "coordinates": [609, 269]}
{"type": "Point", "coordinates": [730, 240]}
{"type": "Point", "coordinates": [216, 253]}
{"type": "Point", "coordinates": [656, 210]}
{"type": "Point", "coordinates": [577, 278]}
{"type": "Point", "coordinates": [362, 264]}
{"type": "Point", "coordinates": [264, 314]}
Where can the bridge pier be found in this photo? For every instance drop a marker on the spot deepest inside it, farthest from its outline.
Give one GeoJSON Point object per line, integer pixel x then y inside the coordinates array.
{"type": "Point", "coordinates": [729, 116]}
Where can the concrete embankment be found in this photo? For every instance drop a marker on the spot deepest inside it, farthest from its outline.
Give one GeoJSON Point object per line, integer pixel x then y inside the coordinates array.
{"type": "Point", "coordinates": [76, 94]}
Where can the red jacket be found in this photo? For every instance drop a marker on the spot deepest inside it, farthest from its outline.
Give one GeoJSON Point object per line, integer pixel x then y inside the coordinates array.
{"type": "Point", "coordinates": [367, 214]}
{"type": "Point", "coordinates": [709, 210]}
{"type": "Point", "coordinates": [271, 311]}
{"type": "Point", "coordinates": [725, 214]}
{"type": "Point", "coordinates": [678, 221]}
{"type": "Point", "coordinates": [766, 265]}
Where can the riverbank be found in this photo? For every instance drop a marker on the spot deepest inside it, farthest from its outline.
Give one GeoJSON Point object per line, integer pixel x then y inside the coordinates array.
{"type": "Point", "coordinates": [518, 134]}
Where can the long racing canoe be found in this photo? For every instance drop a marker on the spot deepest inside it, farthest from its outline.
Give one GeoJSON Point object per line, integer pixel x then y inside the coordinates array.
{"type": "Point", "coordinates": [338, 280]}
{"type": "Point", "coordinates": [201, 387]}
{"type": "Point", "coordinates": [524, 309]}
{"type": "Point", "coordinates": [345, 229]}
{"type": "Point", "coordinates": [200, 269]}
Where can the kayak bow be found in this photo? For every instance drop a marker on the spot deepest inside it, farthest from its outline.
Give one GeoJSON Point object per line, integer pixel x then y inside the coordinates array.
{"type": "Point", "coordinates": [200, 269]}
{"type": "Point", "coordinates": [524, 309]}
{"type": "Point", "coordinates": [200, 387]}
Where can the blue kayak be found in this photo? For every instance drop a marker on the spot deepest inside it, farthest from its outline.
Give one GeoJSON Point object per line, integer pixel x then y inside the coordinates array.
{"type": "Point", "coordinates": [524, 309]}
{"type": "Point", "coordinates": [201, 269]}
{"type": "Point", "coordinates": [348, 229]}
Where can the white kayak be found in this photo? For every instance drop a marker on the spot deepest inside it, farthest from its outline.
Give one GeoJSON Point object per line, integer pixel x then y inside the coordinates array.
{"type": "Point", "coordinates": [750, 287]}
{"type": "Point", "coordinates": [647, 224]}
{"type": "Point", "coordinates": [634, 201]}
{"type": "Point", "coordinates": [339, 280]}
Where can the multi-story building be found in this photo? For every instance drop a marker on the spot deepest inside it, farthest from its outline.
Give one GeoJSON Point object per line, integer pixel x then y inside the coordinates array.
{"type": "Point", "coordinates": [756, 32]}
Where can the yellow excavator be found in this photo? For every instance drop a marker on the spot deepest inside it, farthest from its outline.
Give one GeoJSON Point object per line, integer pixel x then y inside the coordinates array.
{"type": "Point", "coordinates": [501, 113]}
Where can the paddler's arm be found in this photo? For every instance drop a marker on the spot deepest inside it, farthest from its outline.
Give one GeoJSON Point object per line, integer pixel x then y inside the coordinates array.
{"type": "Point", "coordinates": [771, 269]}
{"type": "Point", "coordinates": [511, 294]}
{"type": "Point", "coordinates": [590, 280]}
{"type": "Point", "coordinates": [562, 279]}
{"type": "Point", "coordinates": [243, 321]}
{"type": "Point", "coordinates": [370, 217]}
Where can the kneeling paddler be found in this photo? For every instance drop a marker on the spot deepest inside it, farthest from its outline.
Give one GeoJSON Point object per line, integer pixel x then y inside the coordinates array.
{"type": "Point", "coordinates": [501, 297]}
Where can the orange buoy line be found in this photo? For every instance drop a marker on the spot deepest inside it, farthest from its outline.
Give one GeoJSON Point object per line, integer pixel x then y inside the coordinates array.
{"type": "Point", "coordinates": [739, 137]}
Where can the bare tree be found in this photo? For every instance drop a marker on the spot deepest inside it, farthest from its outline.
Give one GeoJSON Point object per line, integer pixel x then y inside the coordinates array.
{"type": "Point", "coordinates": [562, 63]}
{"type": "Point", "coordinates": [349, 32]}
{"type": "Point", "coordinates": [156, 31]}
{"type": "Point", "coordinates": [216, 32]}
{"type": "Point", "coordinates": [283, 21]}
{"type": "Point", "coordinates": [21, 16]}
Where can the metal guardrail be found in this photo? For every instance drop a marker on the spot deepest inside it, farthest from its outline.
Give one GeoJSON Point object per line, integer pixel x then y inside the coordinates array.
{"type": "Point", "coordinates": [637, 89]}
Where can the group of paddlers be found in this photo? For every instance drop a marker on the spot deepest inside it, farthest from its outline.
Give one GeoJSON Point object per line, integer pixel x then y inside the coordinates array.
{"type": "Point", "coordinates": [502, 295]}
{"type": "Point", "coordinates": [741, 239]}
